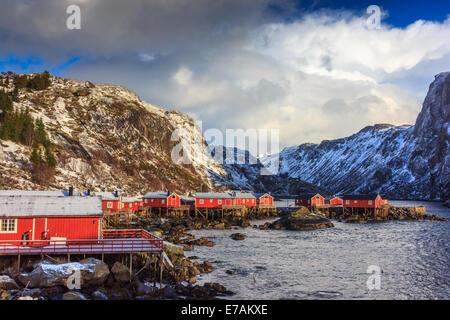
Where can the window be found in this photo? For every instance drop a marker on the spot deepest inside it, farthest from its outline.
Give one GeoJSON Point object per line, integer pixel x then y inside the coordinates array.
{"type": "Point", "coordinates": [163, 201]}
{"type": "Point", "coordinates": [253, 200]}
{"type": "Point", "coordinates": [8, 226]}
{"type": "Point", "coordinates": [109, 205]}
{"type": "Point", "coordinates": [210, 201]}
{"type": "Point", "coordinates": [152, 200]}
{"type": "Point", "coordinates": [370, 201]}
{"type": "Point", "coordinates": [174, 197]}
{"type": "Point", "coordinates": [219, 201]}
{"type": "Point", "coordinates": [355, 201]}
{"type": "Point", "coordinates": [317, 198]}
{"type": "Point", "coordinates": [202, 201]}
{"type": "Point", "coordinates": [145, 200]}
{"type": "Point", "coordinates": [347, 201]}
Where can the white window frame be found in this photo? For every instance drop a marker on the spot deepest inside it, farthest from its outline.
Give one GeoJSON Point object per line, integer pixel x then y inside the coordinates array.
{"type": "Point", "coordinates": [109, 205]}
{"type": "Point", "coordinates": [347, 201]}
{"type": "Point", "coordinates": [370, 202]}
{"type": "Point", "coordinates": [201, 201]}
{"type": "Point", "coordinates": [8, 221]}
{"type": "Point", "coordinates": [163, 201]}
{"type": "Point", "coordinates": [219, 201]}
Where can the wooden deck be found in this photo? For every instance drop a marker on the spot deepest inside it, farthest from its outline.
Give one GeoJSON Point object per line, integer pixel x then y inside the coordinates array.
{"type": "Point", "coordinates": [113, 241]}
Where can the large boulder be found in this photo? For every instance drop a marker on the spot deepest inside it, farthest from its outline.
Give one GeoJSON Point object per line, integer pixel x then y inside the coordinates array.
{"type": "Point", "coordinates": [120, 272]}
{"type": "Point", "coordinates": [238, 236]}
{"type": "Point", "coordinates": [93, 272]}
{"type": "Point", "coordinates": [301, 220]}
{"type": "Point", "coordinates": [6, 283]}
{"type": "Point", "coordinates": [73, 295]}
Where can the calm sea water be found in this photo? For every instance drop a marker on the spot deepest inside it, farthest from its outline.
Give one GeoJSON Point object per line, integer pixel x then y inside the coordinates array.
{"type": "Point", "coordinates": [414, 258]}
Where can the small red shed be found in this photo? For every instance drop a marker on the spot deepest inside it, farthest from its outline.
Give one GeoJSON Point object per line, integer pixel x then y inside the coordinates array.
{"type": "Point", "coordinates": [264, 199]}
{"type": "Point", "coordinates": [362, 201]}
{"type": "Point", "coordinates": [309, 200]}
{"type": "Point", "coordinates": [336, 201]}
{"type": "Point", "coordinates": [213, 200]}
{"type": "Point", "coordinates": [132, 204]}
{"type": "Point", "coordinates": [111, 201]}
{"type": "Point", "coordinates": [30, 216]}
{"type": "Point", "coordinates": [161, 200]}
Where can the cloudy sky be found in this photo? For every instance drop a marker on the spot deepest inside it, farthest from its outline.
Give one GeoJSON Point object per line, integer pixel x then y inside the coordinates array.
{"type": "Point", "coordinates": [312, 69]}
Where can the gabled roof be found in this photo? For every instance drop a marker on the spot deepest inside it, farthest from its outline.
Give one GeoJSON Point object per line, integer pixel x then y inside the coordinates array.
{"type": "Point", "coordinates": [32, 205]}
{"type": "Point", "coordinates": [56, 193]}
{"type": "Point", "coordinates": [157, 195]}
{"type": "Point", "coordinates": [307, 195]}
{"type": "Point", "coordinates": [259, 195]}
{"type": "Point", "coordinates": [107, 195]}
{"type": "Point", "coordinates": [213, 195]}
{"type": "Point", "coordinates": [243, 195]}
{"type": "Point", "coordinates": [359, 196]}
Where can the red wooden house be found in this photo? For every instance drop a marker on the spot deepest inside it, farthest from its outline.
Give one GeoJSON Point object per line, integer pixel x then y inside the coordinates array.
{"type": "Point", "coordinates": [309, 200]}
{"type": "Point", "coordinates": [362, 201]}
{"type": "Point", "coordinates": [264, 199]}
{"type": "Point", "coordinates": [132, 204]}
{"type": "Point", "coordinates": [244, 199]}
{"type": "Point", "coordinates": [30, 216]}
{"type": "Point", "coordinates": [213, 200]}
{"type": "Point", "coordinates": [111, 201]}
{"type": "Point", "coordinates": [161, 200]}
{"type": "Point", "coordinates": [336, 201]}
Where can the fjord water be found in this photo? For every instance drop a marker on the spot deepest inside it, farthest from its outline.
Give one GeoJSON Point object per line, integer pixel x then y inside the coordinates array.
{"type": "Point", "coordinates": [414, 258]}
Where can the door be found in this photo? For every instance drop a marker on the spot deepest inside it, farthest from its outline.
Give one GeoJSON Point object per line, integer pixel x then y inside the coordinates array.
{"type": "Point", "coordinates": [40, 229]}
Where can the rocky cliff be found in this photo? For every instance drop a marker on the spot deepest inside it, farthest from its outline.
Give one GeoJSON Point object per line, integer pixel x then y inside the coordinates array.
{"type": "Point", "coordinates": [105, 138]}
{"type": "Point", "coordinates": [407, 162]}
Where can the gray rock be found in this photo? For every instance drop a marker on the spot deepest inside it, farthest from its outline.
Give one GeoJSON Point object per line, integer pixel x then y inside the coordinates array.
{"type": "Point", "coordinates": [6, 283]}
{"type": "Point", "coordinates": [98, 295]}
{"type": "Point", "coordinates": [120, 272]}
{"type": "Point", "coordinates": [73, 295]}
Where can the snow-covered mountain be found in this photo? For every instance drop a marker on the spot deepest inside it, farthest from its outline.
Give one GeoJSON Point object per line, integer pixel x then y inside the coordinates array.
{"type": "Point", "coordinates": [408, 162]}
{"type": "Point", "coordinates": [106, 137]}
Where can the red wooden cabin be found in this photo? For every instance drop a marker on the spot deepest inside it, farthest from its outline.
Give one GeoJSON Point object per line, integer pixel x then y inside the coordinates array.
{"type": "Point", "coordinates": [244, 199]}
{"type": "Point", "coordinates": [309, 200]}
{"type": "Point", "coordinates": [264, 199]}
{"type": "Point", "coordinates": [161, 200]}
{"type": "Point", "coordinates": [111, 201]}
{"type": "Point", "coordinates": [132, 204]}
{"type": "Point", "coordinates": [362, 201]}
{"type": "Point", "coordinates": [29, 216]}
{"type": "Point", "coordinates": [336, 201]}
{"type": "Point", "coordinates": [188, 202]}
{"type": "Point", "coordinates": [213, 200]}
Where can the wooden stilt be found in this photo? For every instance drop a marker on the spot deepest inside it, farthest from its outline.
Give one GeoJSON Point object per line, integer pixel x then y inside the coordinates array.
{"type": "Point", "coordinates": [18, 262]}
{"type": "Point", "coordinates": [131, 266]}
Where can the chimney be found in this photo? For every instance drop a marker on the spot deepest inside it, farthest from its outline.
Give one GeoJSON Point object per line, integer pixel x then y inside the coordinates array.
{"type": "Point", "coordinates": [70, 191]}
{"type": "Point", "coordinates": [89, 192]}
{"type": "Point", "coordinates": [168, 192]}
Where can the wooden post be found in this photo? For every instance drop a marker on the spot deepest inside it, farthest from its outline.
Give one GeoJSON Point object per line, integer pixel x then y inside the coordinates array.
{"type": "Point", "coordinates": [68, 257]}
{"type": "Point", "coordinates": [160, 271]}
{"type": "Point", "coordinates": [18, 262]}
{"type": "Point", "coordinates": [131, 266]}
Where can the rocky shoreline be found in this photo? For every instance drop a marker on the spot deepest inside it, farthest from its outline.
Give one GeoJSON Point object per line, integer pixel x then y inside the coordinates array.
{"type": "Point", "coordinates": [111, 279]}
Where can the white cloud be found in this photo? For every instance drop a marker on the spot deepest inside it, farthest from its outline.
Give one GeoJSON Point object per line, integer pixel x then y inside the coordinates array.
{"type": "Point", "coordinates": [233, 65]}
{"type": "Point", "coordinates": [183, 76]}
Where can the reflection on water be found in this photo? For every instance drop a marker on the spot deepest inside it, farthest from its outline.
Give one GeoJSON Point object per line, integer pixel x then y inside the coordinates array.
{"type": "Point", "coordinates": [332, 263]}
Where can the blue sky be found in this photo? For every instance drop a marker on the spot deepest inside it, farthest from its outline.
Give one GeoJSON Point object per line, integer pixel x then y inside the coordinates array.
{"type": "Point", "coordinates": [312, 68]}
